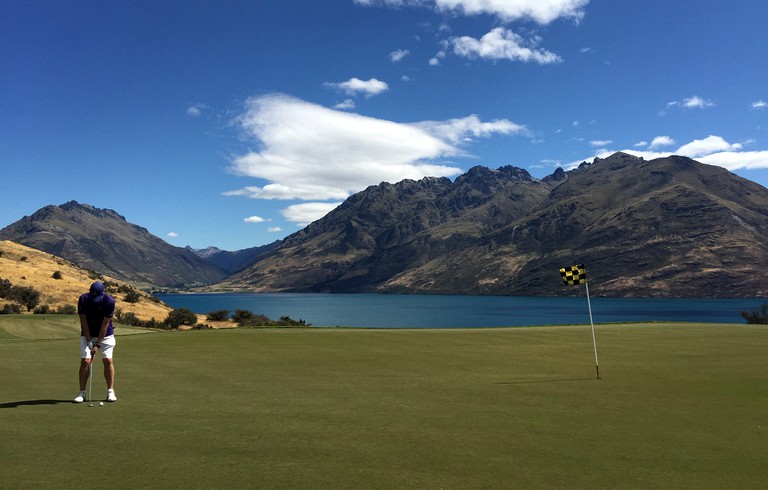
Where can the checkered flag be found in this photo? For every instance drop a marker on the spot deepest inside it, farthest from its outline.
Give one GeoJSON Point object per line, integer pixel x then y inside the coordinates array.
{"type": "Point", "coordinates": [576, 274]}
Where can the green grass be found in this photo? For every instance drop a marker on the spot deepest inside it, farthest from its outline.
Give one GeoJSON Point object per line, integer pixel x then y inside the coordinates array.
{"type": "Point", "coordinates": [678, 406]}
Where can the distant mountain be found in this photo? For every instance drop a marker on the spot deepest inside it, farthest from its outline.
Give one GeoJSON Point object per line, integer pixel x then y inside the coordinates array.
{"type": "Point", "coordinates": [232, 262]}
{"type": "Point", "coordinates": [103, 241]}
{"type": "Point", "coordinates": [668, 227]}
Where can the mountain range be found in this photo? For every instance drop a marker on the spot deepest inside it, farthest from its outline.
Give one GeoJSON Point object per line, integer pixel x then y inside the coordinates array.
{"type": "Point", "coordinates": [668, 227]}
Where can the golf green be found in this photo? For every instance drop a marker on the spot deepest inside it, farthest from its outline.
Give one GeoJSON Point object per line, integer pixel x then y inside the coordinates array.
{"type": "Point", "coordinates": [678, 406]}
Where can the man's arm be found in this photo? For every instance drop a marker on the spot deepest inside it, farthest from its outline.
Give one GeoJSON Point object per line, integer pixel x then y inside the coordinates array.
{"type": "Point", "coordinates": [103, 331]}
{"type": "Point", "coordinates": [84, 328]}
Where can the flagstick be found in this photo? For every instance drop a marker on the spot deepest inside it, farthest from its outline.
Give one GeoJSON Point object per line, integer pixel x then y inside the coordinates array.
{"type": "Point", "coordinates": [594, 343]}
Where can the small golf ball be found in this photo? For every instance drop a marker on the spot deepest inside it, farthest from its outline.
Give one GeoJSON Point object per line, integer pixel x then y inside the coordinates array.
{"type": "Point", "coordinates": [101, 404]}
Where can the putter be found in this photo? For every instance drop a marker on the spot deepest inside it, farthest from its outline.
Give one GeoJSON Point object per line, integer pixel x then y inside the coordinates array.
{"type": "Point", "coordinates": [90, 382]}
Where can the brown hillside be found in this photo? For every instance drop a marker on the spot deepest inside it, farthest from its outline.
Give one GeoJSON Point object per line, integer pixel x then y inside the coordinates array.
{"type": "Point", "coordinates": [24, 266]}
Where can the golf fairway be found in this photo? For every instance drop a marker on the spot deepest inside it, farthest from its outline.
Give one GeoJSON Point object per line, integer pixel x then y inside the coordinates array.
{"type": "Point", "coordinates": [678, 406]}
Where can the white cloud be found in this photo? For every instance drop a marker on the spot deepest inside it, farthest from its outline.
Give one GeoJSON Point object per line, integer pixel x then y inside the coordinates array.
{"type": "Point", "coordinates": [759, 104]}
{"type": "Point", "coordinates": [539, 11]}
{"type": "Point", "coordinates": [355, 86]}
{"type": "Point", "coordinates": [464, 130]}
{"type": "Point", "coordinates": [641, 144]}
{"type": "Point", "coordinates": [694, 102]}
{"type": "Point", "coordinates": [346, 104]}
{"type": "Point", "coordinates": [254, 219]}
{"type": "Point", "coordinates": [313, 153]}
{"type": "Point", "coordinates": [709, 145]}
{"type": "Point", "coordinates": [398, 55]}
{"type": "Point", "coordinates": [274, 229]}
{"type": "Point", "coordinates": [600, 143]}
{"type": "Point", "coordinates": [196, 110]}
{"type": "Point", "coordinates": [732, 160]}
{"type": "Point", "coordinates": [502, 44]}
{"type": "Point", "coordinates": [435, 61]}
{"type": "Point", "coordinates": [172, 234]}
{"type": "Point", "coordinates": [660, 141]}
{"type": "Point", "coordinates": [304, 214]}
{"type": "Point", "coordinates": [697, 102]}
{"type": "Point", "coordinates": [712, 150]}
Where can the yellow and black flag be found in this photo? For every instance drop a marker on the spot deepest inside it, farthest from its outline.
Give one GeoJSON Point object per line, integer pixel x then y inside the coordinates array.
{"type": "Point", "coordinates": [576, 274]}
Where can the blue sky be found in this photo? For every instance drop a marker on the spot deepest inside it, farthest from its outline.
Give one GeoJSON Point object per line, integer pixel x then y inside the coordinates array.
{"type": "Point", "coordinates": [235, 123]}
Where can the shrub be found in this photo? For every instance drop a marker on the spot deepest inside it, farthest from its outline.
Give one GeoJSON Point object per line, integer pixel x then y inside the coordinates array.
{"type": "Point", "coordinates": [245, 318]}
{"type": "Point", "coordinates": [42, 310]}
{"type": "Point", "coordinates": [10, 309]}
{"type": "Point", "coordinates": [56, 275]}
{"type": "Point", "coordinates": [179, 317]}
{"type": "Point", "coordinates": [67, 310]}
{"type": "Point", "coordinates": [218, 316]}
{"type": "Point", "coordinates": [28, 297]}
{"type": "Point", "coordinates": [758, 316]}
{"type": "Point", "coordinates": [286, 321]}
{"type": "Point", "coordinates": [129, 319]}
{"type": "Point", "coordinates": [131, 297]}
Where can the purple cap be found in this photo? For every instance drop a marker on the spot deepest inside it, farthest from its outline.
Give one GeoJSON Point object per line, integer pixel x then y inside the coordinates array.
{"type": "Point", "coordinates": [97, 289]}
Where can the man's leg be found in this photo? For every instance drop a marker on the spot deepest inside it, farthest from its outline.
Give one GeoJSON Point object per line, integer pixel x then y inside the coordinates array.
{"type": "Point", "coordinates": [83, 375]}
{"type": "Point", "coordinates": [84, 371]}
{"type": "Point", "coordinates": [109, 373]}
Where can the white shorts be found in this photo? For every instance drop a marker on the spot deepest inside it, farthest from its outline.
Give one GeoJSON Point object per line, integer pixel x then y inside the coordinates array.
{"type": "Point", "coordinates": [107, 345]}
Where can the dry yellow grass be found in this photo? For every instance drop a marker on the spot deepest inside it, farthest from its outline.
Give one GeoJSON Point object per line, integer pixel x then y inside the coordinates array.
{"type": "Point", "coordinates": [28, 267]}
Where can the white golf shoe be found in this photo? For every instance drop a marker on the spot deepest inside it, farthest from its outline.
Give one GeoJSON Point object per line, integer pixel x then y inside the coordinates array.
{"type": "Point", "coordinates": [111, 396]}
{"type": "Point", "coordinates": [80, 398]}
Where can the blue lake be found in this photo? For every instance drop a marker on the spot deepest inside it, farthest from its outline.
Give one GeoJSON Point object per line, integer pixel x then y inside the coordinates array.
{"type": "Point", "coordinates": [427, 311]}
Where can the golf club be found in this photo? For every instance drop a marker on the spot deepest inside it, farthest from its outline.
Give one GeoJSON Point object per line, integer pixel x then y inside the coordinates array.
{"type": "Point", "coordinates": [90, 381]}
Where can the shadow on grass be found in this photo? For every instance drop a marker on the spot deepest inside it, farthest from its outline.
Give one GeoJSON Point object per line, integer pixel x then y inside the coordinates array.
{"type": "Point", "coordinates": [544, 381]}
{"type": "Point", "coordinates": [33, 402]}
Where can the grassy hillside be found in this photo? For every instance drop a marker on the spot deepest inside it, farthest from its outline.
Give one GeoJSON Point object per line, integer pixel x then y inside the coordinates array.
{"type": "Point", "coordinates": [28, 267]}
{"type": "Point", "coordinates": [678, 406]}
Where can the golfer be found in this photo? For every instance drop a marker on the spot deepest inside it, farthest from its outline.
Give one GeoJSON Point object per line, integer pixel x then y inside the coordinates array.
{"type": "Point", "coordinates": [96, 309]}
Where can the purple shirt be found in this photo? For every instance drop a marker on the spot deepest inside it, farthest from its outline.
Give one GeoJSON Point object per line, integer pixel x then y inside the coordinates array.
{"type": "Point", "coordinates": [95, 309]}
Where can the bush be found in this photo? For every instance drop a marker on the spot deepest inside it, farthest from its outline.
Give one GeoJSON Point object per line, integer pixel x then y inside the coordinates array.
{"type": "Point", "coordinates": [28, 297]}
{"type": "Point", "coordinates": [218, 316]}
{"type": "Point", "coordinates": [67, 310]}
{"type": "Point", "coordinates": [132, 297]}
{"type": "Point", "coordinates": [179, 317]}
{"type": "Point", "coordinates": [10, 309]}
{"type": "Point", "coordinates": [286, 321]}
{"type": "Point", "coordinates": [245, 318]}
{"type": "Point", "coordinates": [56, 275]}
{"type": "Point", "coordinates": [129, 319]}
{"type": "Point", "coordinates": [42, 310]}
{"type": "Point", "coordinates": [758, 316]}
